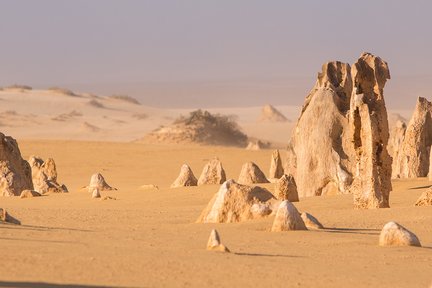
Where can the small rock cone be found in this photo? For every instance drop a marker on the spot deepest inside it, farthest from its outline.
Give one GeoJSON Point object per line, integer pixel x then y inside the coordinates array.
{"type": "Point", "coordinates": [214, 243]}
{"type": "Point", "coordinates": [276, 168]}
{"type": "Point", "coordinates": [213, 173]}
{"type": "Point", "coordinates": [287, 218]}
{"type": "Point", "coordinates": [185, 178]}
{"type": "Point", "coordinates": [29, 194]}
{"type": "Point", "coordinates": [286, 189]}
{"type": "Point", "coordinates": [394, 234]}
{"type": "Point", "coordinates": [310, 221]}
{"type": "Point", "coordinates": [96, 193]}
{"type": "Point", "coordinates": [98, 181]}
{"type": "Point", "coordinates": [251, 174]}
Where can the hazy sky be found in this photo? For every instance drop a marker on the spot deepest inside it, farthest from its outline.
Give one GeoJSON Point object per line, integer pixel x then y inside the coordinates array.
{"type": "Point", "coordinates": [220, 52]}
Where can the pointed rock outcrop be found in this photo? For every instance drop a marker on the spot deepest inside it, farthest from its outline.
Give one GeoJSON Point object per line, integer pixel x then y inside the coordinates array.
{"type": "Point", "coordinates": [397, 136]}
{"type": "Point", "coordinates": [425, 198]}
{"type": "Point", "coordinates": [29, 194]}
{"type": "Point", "coordinates": [213, 173]}
{"type": "Point", "coordinates": [214, 243]}
{"type": "Point", "coordinates": [286, 189]}
{"type": "Point", "coordinates": [15, 172]}
{"type": "Point", "coordinates": [97, 181]}
{"type": "Point", "coordinates": [236, 203]}
{"type": "Point", "coordinates": [271, 114]}
{"type": "Point", "coordinates": [369, 133]}
{"type": "Point", "coordinates": [251, 174]}
{"type": "Point", "coordinates": [310, 221]}
{"type": "Point", "coordinates": [185, 178]}
{"type": "Point", "coordinates": [413, 156]}
{"type": "Point", "coordinates": [44, 176]}
{"type": "Point", "coordinates": [394, 234]}
{"type": "Point", "coordinates": [287, 218]}
{"type": "Point", "coordinates": [276, 168]}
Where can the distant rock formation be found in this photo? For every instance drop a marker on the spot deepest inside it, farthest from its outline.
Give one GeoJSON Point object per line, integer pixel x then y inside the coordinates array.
{"type": "Point", "coordinates": [251, 174]}
{"type": "Point", "coordinates": [394, 234]}
{"type": "Point", "coordinates": [44, 176]}
{"type": "Point", "coordinates": [15, 172]}
{"type": "Point", "coordinates": [425, 199]}
{"type": "Point", "coordinates": [213, 173]}
{"type": "Point", "coordinates": [200, 127]}
{"type": "Point", "coordinates": [276, 167]}
{"type": "Point", "coordinates": [286, 189]}
{"type": "Point", "coordinates": [271, 114]}
{"type": "Point", "coordinates": [214, 243]}
{"type": "Point", "coordinates": [185, 178]}
{"type": "Point", "coordinates": [287, 218]}
{"type": "Point", "coordinates": [413, 156]}
{"type": "Point", "coordinates": [397, 136]}
{"type": "Point", "coordinates": [236, 203]}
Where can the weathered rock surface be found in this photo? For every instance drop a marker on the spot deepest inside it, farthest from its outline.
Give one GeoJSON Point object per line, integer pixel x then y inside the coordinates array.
{"type": "Point", "coordinates": [185, 178]}
{"type": "Point", "coordinates": [394, 234]}
{"type": "Point", "coordinates": [251, 174]}
{"type": "Point", "coordinates": [236, 203]}
{"type": "Point", "coordinates": [6, 217]}
{"type": "Point", "coordinates": [29, 194]}
{"type": "Point", "coordinates": [425, 199]}
{"type": "Point", "coordinates": [214, 243]}
{"type": "Point", "coordinates": [271, 114]}
{"type": "Point", "coordinates": [15, 172]}
{"type": "Point", "coordinates": [97, 181]}
{"type": "Point", "coordinates": [310, 221]}
{"type": "Point", "coordinates": [276, 168]}
{"type": "Point", "coordinates": [213, 173]}
{"type": "Point", "coordinates": [96, 193]}
{"type": "Point", "coordinates": [369, 133]}
{"type": "Point", "coordinates": [397, 136]}
{"type": "Point", "coordinates": [286, 189]}
{"type": "Point", "coordinates": [413, 156]}
{"type": "Point", "coordinates": [287, 218]}
{"type": "Point", "coordinates": [44, 176]}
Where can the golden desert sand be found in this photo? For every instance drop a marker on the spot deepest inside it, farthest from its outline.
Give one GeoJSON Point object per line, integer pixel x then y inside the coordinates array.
{"type": "Point", "coordinates": [136, 212]}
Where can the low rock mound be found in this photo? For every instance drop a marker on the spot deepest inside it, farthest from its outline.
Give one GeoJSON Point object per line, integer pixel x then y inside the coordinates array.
{"type": "Point", "coordinates": [394, 234]}
{"type": "Point", "coordinates": [287, 218]}
{"type": "Point", "coordinates": [29, 194]}
{"type": "Point", "coordinates": [286, 189]}
{"type": "Point", "coordinates": [97, 181]}
{"type": "Point", "coordinates": [251, 174]}
{"type": "Point", "coordinates": [200, 127]}
{"type": "Point", "coordinates": [425, 199]}
{"type": "Point", "coordinates": [310, 221]}
{"type": "Point", "coordinates": [236, 203]}
{"type": "Point", "coordinates": [271, 114]}
{"type": "Point", "coordinates": [276, 168]}
{"type": "Point", "coordinates": [214, 243]}
{"type": "Point", "coordinates": [44, 176]}
{"type": "Point", "coordinates": [213, 173]}
{"type": "Point", "coordinates": [185, 178]}
{"type": "Point", "coordinates": [6, 217]}
{"type": "Point", "coordinates": [15, 172]}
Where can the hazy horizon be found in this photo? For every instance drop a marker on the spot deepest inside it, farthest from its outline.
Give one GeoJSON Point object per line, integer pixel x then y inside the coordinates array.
{"type": "Point", "coordinates": [211, 54]}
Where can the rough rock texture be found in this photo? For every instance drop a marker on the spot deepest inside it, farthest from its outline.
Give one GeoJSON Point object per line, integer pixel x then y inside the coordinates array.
{"type": "Point", "coordinates": [319, 151]}
{"type": "Point", "coordinates": [214, 243]}
{"type": "Point", "coordinates": [6, 217]}
{"type": "Point", "coordinates": [271, 114]}
{"type": "Point", "coordinates": [287, 218]}
{"type": "Point", "coordinates": [185, 178]}
{"type": "Point", "coordinates": [44, 176]}
{"type": "Point", "coordinates": [29, 194]}
{"type": "Point", "coordinates": [413, 157]}
{"type": "Point", "coordinates": [369, 133]}
{"type": "Point", "coordinates": [276, 168]}
{"type": "Point", "coordinates": [97, 181]}
{"type": "Point", "coordinates": [213, 173]}
{"type": "Point", "coordinates": [310, 221]}
{"type": "Point", "coordinates": [286, 189]}
{"type": "Point", "coordinates": [397, 136]}
{"type": "Point", "coordinates": [236, 203]}
{"type": "Point", "coordinates": [251, 174]}
{"type": "Point", "coordinates": [96, 193]}
{"type": "Point", "coordinates": [15, 172]}
{"type": "Point", "coordinates": [425, 199]}
{"type": "Point", "coordinates": [394, 234]}
{"type": "Point", "coordinates": [430, 166]}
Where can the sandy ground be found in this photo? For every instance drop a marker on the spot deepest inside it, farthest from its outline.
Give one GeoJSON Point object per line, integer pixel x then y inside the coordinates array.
{"type": "Point", "coordinates": [148, 238]}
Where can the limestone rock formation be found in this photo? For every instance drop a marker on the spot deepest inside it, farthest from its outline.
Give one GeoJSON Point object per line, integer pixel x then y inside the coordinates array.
{"type": "Point", "coordinates": [369, 133]}
{"type": "Point", "coordinates": [271, 114]}
{"type": "Point", "coordinates": [97, 181]}
{"type": "Point", "coordinates": [213, 173]}
{"type": "Point", "coordinates": [413, 157]}
{"type": "Point", "coordinates": [310, 221]}
{"type": "Point", "coordinates": [394, 234]}
{"type": "Point", "coordinates": [319, 150]}
{"type": "Point", "coordinates": [251, 174]}
{"type": "Point", "coordinates": [425, 199]}
{"type": "Point", "coordinates": [287, 218]}
{"type": "Point", "coordinates": [397, 136]}
{"type": "Point", "coordinates": [96, 193]}
{"type": "Point", "coordinates": [29, 194]}
{"type": "Point", "coordinates": [15, 172]}
{"type": "Point", "coordinates": [214, 243]}
{"type": "Point", "coordinates": [430, 165]}
{"type": "Point", "coordinates": [185, 178]}
{"type": "Point", "coordinates": [6, 217]}
{"type": "Point", "coordinates": [236, 203]}
{"type": "Point", "coordinates": [286, 189]}
{"type": "Point", "coordinates": [276, 168]}
{"type": "Point", "coordinates": [44, 176]}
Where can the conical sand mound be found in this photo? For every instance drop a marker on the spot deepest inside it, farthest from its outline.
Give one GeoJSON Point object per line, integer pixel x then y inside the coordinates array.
{"type": "Point", "coordinates": [271, 114]}
{"type": "Point", "coordinates": [185, 178]}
